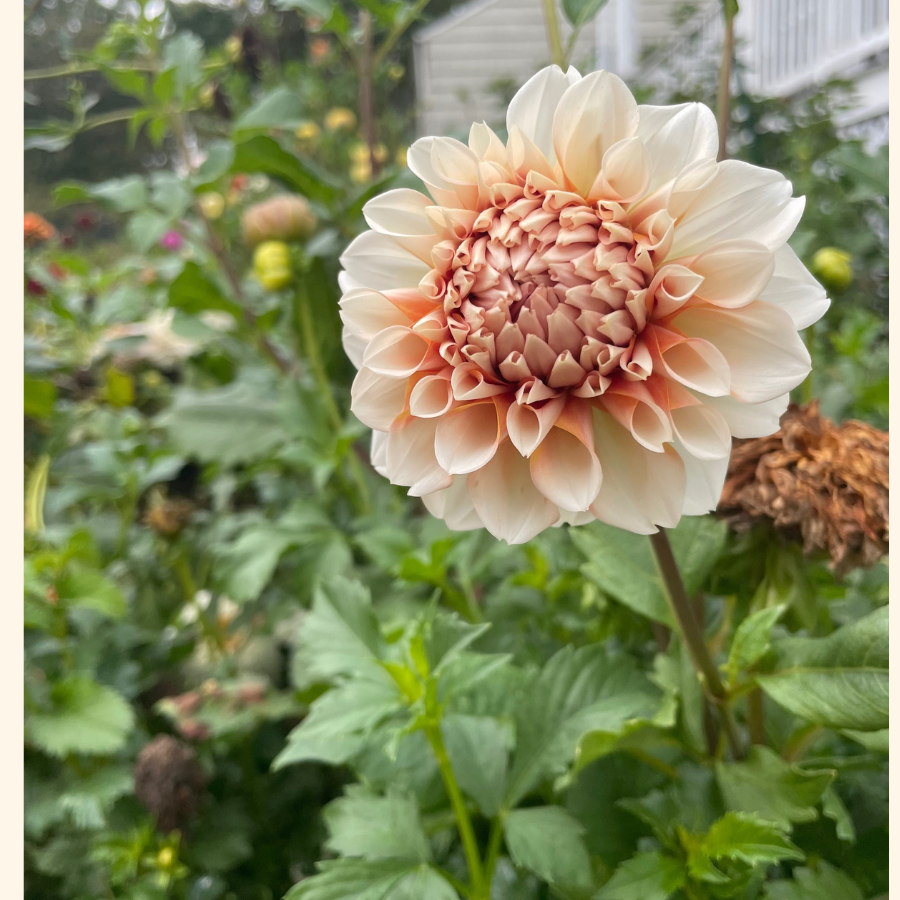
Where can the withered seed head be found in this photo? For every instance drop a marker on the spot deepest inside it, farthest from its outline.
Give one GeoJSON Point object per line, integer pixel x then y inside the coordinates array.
{"type": "Point", "coordinates": [826, 484]}
{"type": "Point", "coordinates": [169, 782]}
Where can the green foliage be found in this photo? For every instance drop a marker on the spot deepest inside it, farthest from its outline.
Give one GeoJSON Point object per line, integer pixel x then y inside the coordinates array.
{"type": "Point", "coordinates": [378, 707]}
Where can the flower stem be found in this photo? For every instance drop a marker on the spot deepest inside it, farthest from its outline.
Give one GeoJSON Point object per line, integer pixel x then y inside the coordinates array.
{"type": "Point", "coordinates": [692, 635]}
{"type": "Point", "coordinates": [551, 20]}
{"type": "Point", "coordinates": [495, 842]}
{"type": "Point", "coordinates": [723, 105]}
{"type": "Point", "coordinates": [463, 820]}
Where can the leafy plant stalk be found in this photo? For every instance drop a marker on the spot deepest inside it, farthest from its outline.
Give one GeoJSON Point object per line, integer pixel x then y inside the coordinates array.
{"type": "Point", "coordinates": [692, 634]}
{"type": "Point", "coordinates": [554, 37]}
{"type": "Point", "coordinates": [463, 819]}
{"type": "Point", "coordinates": [723, 102]}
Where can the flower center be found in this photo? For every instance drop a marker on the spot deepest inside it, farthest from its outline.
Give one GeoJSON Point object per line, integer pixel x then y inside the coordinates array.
{"type": "Point", "coordinates": [546, 293]}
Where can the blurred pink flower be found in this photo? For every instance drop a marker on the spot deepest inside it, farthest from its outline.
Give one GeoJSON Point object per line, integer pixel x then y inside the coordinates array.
{"type": "Point", "coordinates": [171, 240]}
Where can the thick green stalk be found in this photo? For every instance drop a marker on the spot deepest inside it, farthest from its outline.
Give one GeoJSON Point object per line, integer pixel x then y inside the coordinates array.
{"type": "Point", "coordinates": [692, 635]}
{"type": "Point", "coordinates": [723, 105]}
{"type": "Point", "coordinates": [554, 37]}
{"type": "Point", "coordinates": [463, 820]}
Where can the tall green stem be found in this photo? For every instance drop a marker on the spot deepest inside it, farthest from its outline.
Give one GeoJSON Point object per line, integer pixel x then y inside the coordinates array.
{"type": "Point", "coordinates": [554, 37]}
{"type": "Point", "coordinates": [463, 820]}
{"type": "Point", "coordinates": [723, 105]}
{"type": "Point", "coordinates": [692, 635]}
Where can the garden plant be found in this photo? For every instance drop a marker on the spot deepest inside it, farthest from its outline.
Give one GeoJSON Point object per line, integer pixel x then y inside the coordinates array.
{"type": "Point", "coordinates": [500, 518]}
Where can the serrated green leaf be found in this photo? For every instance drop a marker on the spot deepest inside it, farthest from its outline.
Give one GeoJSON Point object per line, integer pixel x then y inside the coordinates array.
{"type": "Point", "coordinates": [776, 790]}
{"type": "Point", "coordinates": [748, 838]}
{"type": "Point", "coordinates": [89, 589]}
{"type": "Point", "coordinates": [548, 841]}
{"type": "Point", "coordinates": [752, 640]}
{"type": "Point", "coordinates": [833, 807]}
{"type": "Point", "coordinates": [840, 681]}
{"type": "Point", "coordinates": [360, 879]}
{"type": "Point", "coordinates": [229, 425]}
{"type": "Point", "coordinates": [446, 635]}
{"type": "Point", "coordinates": [825, 882]}
{"type": "Point", "coordinates": [85, 717]}
{"type": "Point", "coordinates": [340, 721]}
{"type": "Point", "coordinates": [646, 876]}
{"type": "Point", "coordinates": [478, 747]}
{"type": "Point", "coordinates": [373, 827]}
{"type": "Point", "coordinates": [577, 692]}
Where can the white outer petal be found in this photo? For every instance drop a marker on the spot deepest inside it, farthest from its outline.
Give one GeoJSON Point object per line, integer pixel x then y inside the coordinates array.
{"type": "Point", "coordinates": [378, 452]}
{"type": "Point", "coordinates": [377, 261]}
{"type": "Point", "coordinates": [740, 202]}
{"type": "Point", "coordinates": [354, 346]}
{"type": "Point", "coordinates": [705, 479]}
{"type": "Point", "coordinates": [454, 506]}
{"type": "Point", "coordinates": [675, 137]}
{"type": "Point", "coordinates": [750, 420]}
{"type": "Point", "coordinates": [793, 288]}
{"type": "Point", "coordinates": [534, 105]}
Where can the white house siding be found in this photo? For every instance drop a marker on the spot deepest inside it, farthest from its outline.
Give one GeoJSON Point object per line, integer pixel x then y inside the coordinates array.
{"type": "Point", "coordinates": [458, 57]}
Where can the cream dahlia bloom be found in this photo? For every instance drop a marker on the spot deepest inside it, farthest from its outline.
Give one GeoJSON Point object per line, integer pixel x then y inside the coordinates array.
{"type": "Point", "coordinates": [577, 321]}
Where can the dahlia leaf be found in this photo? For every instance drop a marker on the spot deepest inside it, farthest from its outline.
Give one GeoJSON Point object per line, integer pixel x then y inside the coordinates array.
{"type": "Point", "coordinates": [646, 876]}
{"type": "Point", "coordinates": [825, 882]}
{"type": "Point", "coordinates": [373, 827]}
{"type": "Point", "coordinates": [478, 747]}
{"type": "Point", "coordinates": [548, 841]}
{"type": "Point", "coordinates": [771, 788]}
{"type": "Point", "coordinates": [840, 681]}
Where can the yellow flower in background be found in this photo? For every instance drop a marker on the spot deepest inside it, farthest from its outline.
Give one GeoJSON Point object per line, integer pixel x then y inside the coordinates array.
{"type": "Point", "coordinates": [308, 132]}
{"type": "Point", "coordinates": [233, 48]}
{"type": "Point", "coordinates": [400, 157]}
{"type": "Point", "coordinates": [272, 265]}
{"type": "Point", "coordinates": [395, 71]}
{"type": "Point", "coordinates": [212, 204]}
{"type": "Point", "coordinates": [361, 172]}
{"type": "Point", "coordinates": [339, 119]}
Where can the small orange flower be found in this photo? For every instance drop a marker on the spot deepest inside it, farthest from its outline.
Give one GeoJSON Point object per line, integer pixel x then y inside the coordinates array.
{"type": "Point", "coordinates": [37, 229]}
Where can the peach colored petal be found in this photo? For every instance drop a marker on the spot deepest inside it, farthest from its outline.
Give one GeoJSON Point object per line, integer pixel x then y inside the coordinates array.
{"type": "Point", "coordinates": [410, 459]}
{"type": "Point", "coordinates": [633, 407]}
{"type": "Point", "coordinates": [432, 396]}
{"type": "Point", "coordinates": [365, 313]}
{"type": "Point", "coordinates": [506, 500]}
{"type": "Point", "coordinates": [399, 351]}
{"type": "Point", "coordinates": [454, 506]}
{"type": "Point", "coordinates": [376, 400]}
{"type": "Point", "coordinates": [468, 435]}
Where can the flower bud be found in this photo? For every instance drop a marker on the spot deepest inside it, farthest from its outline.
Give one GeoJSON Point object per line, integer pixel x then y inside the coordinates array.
{"type": "Point", "coordinates": [272, 265]}
{"type": "Point", "coordinates": [286, 217]}
{"type": "Point", "coordinates": [340, 118]}
{"type": "Point", "coordinates": [832, 267]}
{"type": "Point", "coordinates": [212, 204]}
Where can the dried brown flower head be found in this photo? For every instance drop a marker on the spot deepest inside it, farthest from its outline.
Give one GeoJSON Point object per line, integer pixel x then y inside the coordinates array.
{"type": "Point", "coordinates": [169, 782]}
{"type": "Point", "coordinates": [826, 484]}
{"type": "Point", "coordinates": [169, 516]}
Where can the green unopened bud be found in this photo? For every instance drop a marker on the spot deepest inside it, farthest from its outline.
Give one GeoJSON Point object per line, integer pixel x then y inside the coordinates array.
{"type": "Point", "coordinates": [272, 265]}
{"type": "Point", "coordinates": [832, 267]}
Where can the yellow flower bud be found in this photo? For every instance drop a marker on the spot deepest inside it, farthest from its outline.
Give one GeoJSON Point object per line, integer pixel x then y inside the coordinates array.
{"type": "Point", "coordinates": [395, 71]}
{"type": "Point", "coordinates": [340, 118]}
{"type": "Point", "coordinates": [233, 48]}
{"type": "Point", "coordinates": [308, 132]}
{"type": "Point", "coordinates": [359, 153]}
{"type": "Point", "coordinates": [361, 172]}
{"type": "Point", "coordinates": [832, 267]}
{"type": "Point", "coordinates": [212, 204]}
{"type": "Point", "coordinates": [165, 858]}
{"type": "Point", "coordinates": [286, 217]}
{"type": "Point", "coordinates": [272, 265]}
{"type": "Point", "coordinates": [400, 158]}
{"type": "Point", "coordinates": [207, 95]}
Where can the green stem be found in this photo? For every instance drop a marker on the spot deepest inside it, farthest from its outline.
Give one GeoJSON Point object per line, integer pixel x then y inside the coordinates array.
{"type": "Point", "coordinates": [554, 38]}
{"type": "Point", "coordinates": [463, 820]}
{"type": "Point", "coordinates": [723, 104]}
{"type": "Point", "coordinates": [692, 635]}
{"type": "Point", "coordinates": [314, 358]}
{"type": "Point", "coordinates": [391, 40]}
{"type": "Point", "coordinates": [495, 842]}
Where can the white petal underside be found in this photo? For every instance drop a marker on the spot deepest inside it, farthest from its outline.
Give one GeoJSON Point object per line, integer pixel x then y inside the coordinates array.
{"type": "Point", "coordinates": [765, 354]}
{"type": "Point", "coordinates": [793, 288]}
{"type": "Point", "coordinates": [750, 420]}
{"type": "Point", "coordinates": [507, 501]}
{"type": "Point", "coordinates": [454, 506]}
{"type": "Point", "coordinates": [740, 202]}
{"type": "Point", "coordinates": [377, 261]}
{"type": "Point", "coordinates": [705, 479]}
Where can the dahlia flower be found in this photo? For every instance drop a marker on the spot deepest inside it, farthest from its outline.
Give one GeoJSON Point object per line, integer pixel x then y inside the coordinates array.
{"type": "Point", "coordinates": [577, 321]}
